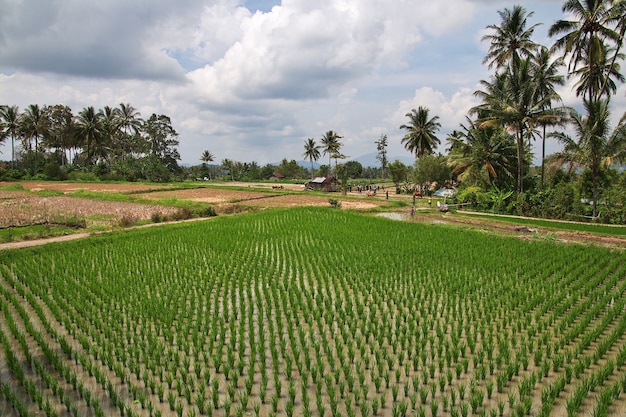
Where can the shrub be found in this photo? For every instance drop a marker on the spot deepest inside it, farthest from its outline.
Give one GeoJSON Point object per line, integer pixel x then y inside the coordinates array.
{"type": "Point", "coordinates": [182, 214]}
{"type": "Point", "coordinates": [127, 220]}
{"type": "Point", "coordinates": [334, 203]}
{"type": "Point", "coordinates": [157, 217]}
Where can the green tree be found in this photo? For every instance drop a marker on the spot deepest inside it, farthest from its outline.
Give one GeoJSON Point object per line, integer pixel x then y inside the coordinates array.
{"type": "Point", "coordinates": [60, 135]}
{"type": "Point", "coordinates": [207, 156]}
{"type": "Point", "coordinates": [290, 169]}
{"type": "Point", "coordinates": [398, 172]}
{"type": "Point", "coordinates": [331, 144]}
{"type": "Point", "coordinates": [381, 148]}
{"type": "Point", "coordinates": [354, 169]}
{"type": "Point", "coordinates": [162, 141]}
{"type": "Point", "coordinates": [598, 74]}
{"type": "Point", "coordinates": [420, 135]}
{"type": "Point", "coordinates": [230, 166]}
{"type": "Point", "coordinates": [547, 77]}
{"type": "Point", "coordinates": [514, 100]}
{"type": "Point", "coordinates": [511, 40]}
{"type": "Point", "coordinates": [311, 152]}
{"type": "Point", "coordinates": [89, 131]}
{"type": "Point", "coordinates": [33, 125]}
{"type": "Point", "coordinates": [130, 123]}
{"type": "Point", "coordinates": [431, 168]}
{"type": "Point", "coordinates": [110, 133]}
{"type": "Point", "coordinates": [596, 146]}
{"type": "Point", "coordinates": [584, 38]}
{"type": "Point", "coordinates": [10, 119]}
{"type": "Point", "coordinates": [482, 156]}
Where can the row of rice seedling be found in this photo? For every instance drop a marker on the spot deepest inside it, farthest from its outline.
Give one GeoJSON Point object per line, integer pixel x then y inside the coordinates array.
{"type": "Point", "coordinates": [314, 311]}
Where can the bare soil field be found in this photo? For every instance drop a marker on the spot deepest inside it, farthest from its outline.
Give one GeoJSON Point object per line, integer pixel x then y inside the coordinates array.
{"type": "Point", "coordinates": [70, 187]}
{"type": "Point", "coordinates": [28, 210]}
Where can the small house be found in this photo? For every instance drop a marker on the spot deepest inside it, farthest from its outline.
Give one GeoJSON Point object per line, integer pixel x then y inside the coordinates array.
{"type": "Point", "coordinates": [277, 176]}
{"type": "Point", "coordinates": [328, 184]}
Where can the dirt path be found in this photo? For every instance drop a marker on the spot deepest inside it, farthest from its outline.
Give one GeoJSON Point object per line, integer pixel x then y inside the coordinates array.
{"type": "Point", "coordinates": [38, 242]}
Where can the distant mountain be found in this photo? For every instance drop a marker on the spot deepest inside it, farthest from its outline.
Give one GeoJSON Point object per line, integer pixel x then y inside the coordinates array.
{"type": "Point", "coordinates": [369, 160]}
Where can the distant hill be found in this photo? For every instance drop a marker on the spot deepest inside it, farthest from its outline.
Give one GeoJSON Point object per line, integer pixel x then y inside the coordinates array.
{"type": "Point", "coordinates": [369, 160]}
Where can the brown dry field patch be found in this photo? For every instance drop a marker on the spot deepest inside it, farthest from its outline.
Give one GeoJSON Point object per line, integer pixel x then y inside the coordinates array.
{"type": "Point", "coordinates": [16, 211]}
{"type": "Point", "coordinates": [204, 195]}
{"type": "Point", "coordinates": [70, 187]}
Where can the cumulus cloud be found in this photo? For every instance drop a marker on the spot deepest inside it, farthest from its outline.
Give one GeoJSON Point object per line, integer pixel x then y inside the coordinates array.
{"type": "Point", "coordinates": [252, 79]}
{"type": "Point", "coordinates": [113, 39]}
{"type": "Point", "coordinates": [451, 110]}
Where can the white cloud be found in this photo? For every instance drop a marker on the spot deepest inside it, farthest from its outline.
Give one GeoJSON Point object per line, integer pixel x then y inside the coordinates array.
{"type": "Point", "coordinates": [251, 80]}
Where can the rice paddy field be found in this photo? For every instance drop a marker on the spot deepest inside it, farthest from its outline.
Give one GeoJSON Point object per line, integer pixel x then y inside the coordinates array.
{"type": "Point", "coordinates": [312, 311]}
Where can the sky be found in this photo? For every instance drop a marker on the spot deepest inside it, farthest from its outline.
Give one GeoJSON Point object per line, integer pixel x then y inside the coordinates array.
{"type": "Point", "coordinates": [251, 80]}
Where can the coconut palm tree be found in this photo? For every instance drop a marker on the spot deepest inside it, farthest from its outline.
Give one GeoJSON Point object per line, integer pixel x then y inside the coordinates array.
{"type": "Point", "coordinates": [595, 146]}
{"type": "Point", "coordinates": [547, 76]}
{"type": "Point", "coordinates": [482, 155]}
{"type": "Point", "coordinates": [206, 157]}
{"type": "Point", "coordinates": [331, 144]}
{"type": "Point", "coordinates": [598, 74]}
{"type": "Point", "coordinates": [311, 152]}
{"type": "Point", "coordinates": [129, 120]}
{"type": "Point", "coordinates": [33, 125]}
{"type": "Point", "coordinates": [511, 40]}
{"type": "Point", "coordinates": [583, 39]}
{"type": "Point", "coordinates": [89, 130]}
{"type": "Point", "coordinates": [10, 117]}
{"type": "Point", "coordinates": [514, 100]}
{"type": "Point", "coordinates": [110, 119]}
{"type": "Point", "coordinates": [420, 135]}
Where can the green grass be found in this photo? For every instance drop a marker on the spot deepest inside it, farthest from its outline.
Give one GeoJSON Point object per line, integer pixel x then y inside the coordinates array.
{"type": "Point", "coordinates": [34, 232]}
{"type": "Point", "coordinates": [552, 224]}
{"type": "Point", "coordinates": [14, 187]}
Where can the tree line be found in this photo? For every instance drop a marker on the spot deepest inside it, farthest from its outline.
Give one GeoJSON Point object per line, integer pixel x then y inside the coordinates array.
{"type": "Point", "coordinates": [49, 142]}
{"type": "Point", "coordinates": [490, 154]}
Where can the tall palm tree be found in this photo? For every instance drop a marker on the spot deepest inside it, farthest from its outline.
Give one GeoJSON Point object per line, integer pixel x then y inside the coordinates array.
{"type": "Point", "coordinates": [547, 76]}
{"type": "Point", "coordinates": [511, 40]}
{"type": "Point", "coordinates": [420, 135]}
{"type": "Point", "coordinates": [33, 125]}
{"type": "Point", "coordinates": [130, 122]}
{"type": "Point", "coordinates": [89, 130]}
{"type": "Point", "coordinates": [482, 155]}
{"type": "Point", "coordinates": [331, 144]}
{"type": "Point", "coordinates": [598, 74]}
{"type": "Point", "coordinates": [311, 152]}
{"type": "Point", "coordinates": [618, 16]}
{"type": "Point", "coordinates": [207, 156]}
{"type": "Point", "coordinates": [10, 117]}
{"type": "Point", "coordinates": [514, 100]}
{"type": "Point", "coordinates": [110, 119]}
{"type": "Point", "coordinates": [583, 38]}
{"type": "Point", "coordinates": [596, 146]}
